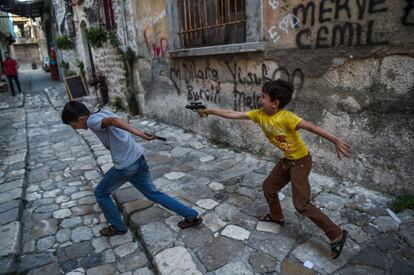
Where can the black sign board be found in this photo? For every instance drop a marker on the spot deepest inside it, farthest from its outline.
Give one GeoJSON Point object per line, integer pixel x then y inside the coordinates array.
{"type": "Point", "coordinates": [75, 86]}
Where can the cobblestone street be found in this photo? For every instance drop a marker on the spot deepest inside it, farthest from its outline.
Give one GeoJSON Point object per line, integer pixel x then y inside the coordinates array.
{"type": "Point", "coordinates": [50, 221]}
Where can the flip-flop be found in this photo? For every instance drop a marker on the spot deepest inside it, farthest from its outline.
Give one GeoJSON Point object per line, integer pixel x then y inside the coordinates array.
{"type": "Point", "coordinates": [337, 246]}
{"type": "Point", "coordinates": [190, 222]}
{"type": "Point", "coordinates": [268, 218]}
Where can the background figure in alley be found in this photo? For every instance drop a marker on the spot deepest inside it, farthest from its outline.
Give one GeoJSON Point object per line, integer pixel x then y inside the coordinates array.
{"type": "Point", "coordinates": [10, 69]}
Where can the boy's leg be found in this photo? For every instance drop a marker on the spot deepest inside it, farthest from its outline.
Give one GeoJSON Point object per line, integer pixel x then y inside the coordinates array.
{"type": "Point", "coordinates": [143, 182]}
{"type": "Point", "coordinates": [112, 180]}
{"type": "Point", "coordinates": [301, 193]}
{"type": "Point", "coordinates": [276, 180]}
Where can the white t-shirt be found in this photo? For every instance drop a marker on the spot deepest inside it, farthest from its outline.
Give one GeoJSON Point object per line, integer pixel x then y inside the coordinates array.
{"type": "Point", "coordinates": [124, 150]}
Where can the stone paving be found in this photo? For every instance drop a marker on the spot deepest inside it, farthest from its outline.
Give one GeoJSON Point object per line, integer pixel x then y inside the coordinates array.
{"type": "Point", "coordinates": [55, 169]}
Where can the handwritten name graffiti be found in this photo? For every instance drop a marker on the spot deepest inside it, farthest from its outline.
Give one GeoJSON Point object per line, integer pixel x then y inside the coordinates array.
{"type": "Point", "coordinates": [408, 17]}
{"type": "Point", "coordinates": [274, 4]}
{"type": "Point", "coordinates": [203, 83]}
{"type": "Point", "coordinates": [252, 78]}
{"type": "Point", "coordinates": [289, 20]}
{"type": "Point", "coordinates": [203, 95]}
{"type": "Point", "coordinates": [244, 101]}
{"type": "Point", "coordinates": [188, 73]}
{"type": "Point", "coordinates": [347, 33]}
{"type": "Point", "coordinates": [274, 35]}
{"type": "Point", "coordinates": [157, 48]}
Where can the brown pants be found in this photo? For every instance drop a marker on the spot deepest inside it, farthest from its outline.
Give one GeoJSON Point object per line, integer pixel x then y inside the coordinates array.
{"type": "Point", "coordinates": [296, 171]}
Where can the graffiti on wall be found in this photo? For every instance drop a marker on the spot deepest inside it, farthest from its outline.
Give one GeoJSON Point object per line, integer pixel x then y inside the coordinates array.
{"type": "Point", "coordinates": [156, 46]}
{"type": "Point", "coordinates": [356, 28]}
{"type": "Point", "coordinates": [205, 83]}
{"type": "Point", "coordinates": [190, 75]}
{"type": "Point", "coordinates": [289, 21]}
{"type": "Point", "coordinates": [318, 24]}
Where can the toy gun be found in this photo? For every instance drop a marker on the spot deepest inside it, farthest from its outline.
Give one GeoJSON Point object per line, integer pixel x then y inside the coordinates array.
{"type": "Point", "coordinates": [157, 137]}
{"type": "Point", "coordinates": [196, 106]}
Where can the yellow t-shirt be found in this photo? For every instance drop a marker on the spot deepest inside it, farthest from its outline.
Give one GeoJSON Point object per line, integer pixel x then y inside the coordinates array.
{"type": "Point", "coordinates": [280, 131]}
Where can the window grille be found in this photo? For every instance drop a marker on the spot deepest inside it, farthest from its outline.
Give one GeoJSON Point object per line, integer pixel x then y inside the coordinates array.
{"type": "Point", "coordinates": [212, 22]}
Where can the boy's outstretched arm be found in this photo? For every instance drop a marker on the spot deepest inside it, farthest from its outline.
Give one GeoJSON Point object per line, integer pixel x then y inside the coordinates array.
{"type": "Point", "coordinates": [342, 148]}
{"type": "Point", "coordinates": [119, 123]}
{"type": "Point", "coordinates": [224, 113]}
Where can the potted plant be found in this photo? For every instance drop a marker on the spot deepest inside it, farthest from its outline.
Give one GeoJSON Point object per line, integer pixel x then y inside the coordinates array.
{"type": "Point", "coordinates": [63, 42]}
{"type": "Point", "coordinates": [96, 37]}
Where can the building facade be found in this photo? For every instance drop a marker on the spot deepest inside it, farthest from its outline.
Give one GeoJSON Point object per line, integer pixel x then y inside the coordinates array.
{"type": "Point", "coordinates": [29, 47]}
{"type": "Point", "coordinates": [351, 63]}
{"type": "Point", "coordinates": [7, 35]}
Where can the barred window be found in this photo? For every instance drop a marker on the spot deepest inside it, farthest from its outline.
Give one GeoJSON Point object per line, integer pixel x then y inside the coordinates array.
{"type": "Point", "coordinates": [212, 22]}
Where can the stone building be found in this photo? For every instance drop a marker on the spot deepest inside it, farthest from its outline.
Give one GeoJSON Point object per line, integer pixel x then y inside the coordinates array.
{"type": "Point", "coordinates": [73, 19]}
{"type": "Point", "coordinates": [351, 63]}
{"type": "Point", "coordinates": [30, 45]}
{"type": "Point", "coordinates": [7, 35]}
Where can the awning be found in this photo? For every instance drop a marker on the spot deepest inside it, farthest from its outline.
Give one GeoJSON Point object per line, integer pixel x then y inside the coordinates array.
{"type": "Point", "coordinates": [26, 8]}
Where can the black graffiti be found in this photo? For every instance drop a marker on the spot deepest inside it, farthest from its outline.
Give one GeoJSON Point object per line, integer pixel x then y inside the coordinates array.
{"type": "Point", "coordinates": [347, 34]}
{"type": "Point", "coordinates": [344, 34]}
{"type": "Point", "coordinates": [175, 78]}
{"type": "Point", "coordinates": [408, 14]}
{"type": "Point", "coordinates": [203, 94]}
{"type": "Point", "coordinates": [192, 74]}
{"type": "Point", "coordinates": [189, 73]}
{"type": "Point", "coordinates": [252, 78]}
{"type": "Point", "coordinates": [332, 9]}
{"type": "Point", "coordinates": [244, 102]}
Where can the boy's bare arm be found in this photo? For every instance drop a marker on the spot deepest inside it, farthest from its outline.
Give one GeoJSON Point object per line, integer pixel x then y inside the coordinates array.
{"type": "Point", "coordinates": [224, 113]}
{"type": "Point", "coordinates": [119, 123]}
{"type": "Point", "coordinates": [342, 148]}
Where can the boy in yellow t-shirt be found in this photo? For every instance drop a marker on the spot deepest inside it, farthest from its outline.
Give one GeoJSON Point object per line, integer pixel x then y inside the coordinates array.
{"type": "Point", "coordinates": [281, 129]}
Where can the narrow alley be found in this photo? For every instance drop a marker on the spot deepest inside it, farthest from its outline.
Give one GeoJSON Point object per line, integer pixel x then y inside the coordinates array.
{"type": "Point", "coordinates": [50, 220]}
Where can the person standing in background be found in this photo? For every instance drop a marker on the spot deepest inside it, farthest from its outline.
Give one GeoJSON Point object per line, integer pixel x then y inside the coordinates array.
{"type": "Point", "coordinates": [10, 69]}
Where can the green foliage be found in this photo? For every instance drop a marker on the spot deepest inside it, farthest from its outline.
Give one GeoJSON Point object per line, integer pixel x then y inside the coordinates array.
{"type": "Point", "coordinates": [113, 39]}
{"type": "Point", "coordinates": [63, 42]}
{"type": "Point", "coordinates": [70, 73]}
{"type": "Point", "coordinates": [96, 37]}
{"type": "Point", "coordinates": [117, 103]}
{"type": "Point", "coordinates": [403, 202]}
{"type": "Point", "coordinates": [64, 65]}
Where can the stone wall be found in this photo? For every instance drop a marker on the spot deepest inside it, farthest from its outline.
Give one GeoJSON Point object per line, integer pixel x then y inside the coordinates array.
{"type": "Point", "coordinates": [107, 59]}
{"type": "Point", "coordinates": [359, 86]}
{"type": "Point", "coordinates": [25, 54]}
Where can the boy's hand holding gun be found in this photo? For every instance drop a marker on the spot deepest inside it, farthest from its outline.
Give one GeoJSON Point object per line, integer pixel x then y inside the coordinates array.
{"type": "Point", "coordinates": [151, 136]}
{"type": "Point", "coordinates": [197, 107]}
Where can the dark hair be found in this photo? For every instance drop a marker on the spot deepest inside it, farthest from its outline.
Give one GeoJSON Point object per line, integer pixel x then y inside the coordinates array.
{"type": "Point", "coordinates": [73, 110]}
{"type": "Point", "coordinates": [280, 89]}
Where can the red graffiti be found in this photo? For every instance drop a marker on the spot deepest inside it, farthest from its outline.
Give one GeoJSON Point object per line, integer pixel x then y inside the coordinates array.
{"type": "Point", "coordinates": [158, 49]}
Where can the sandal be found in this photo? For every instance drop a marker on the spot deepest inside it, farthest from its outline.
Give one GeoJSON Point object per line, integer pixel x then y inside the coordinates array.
{"type": "Point", "coordinates": [111, 231]}
{"type": "Point", "coordinates": [337, 246]}
{"type": "Point", "coordinates": [190, 222]}
{"type": "Point", "coordinates": [268, 218]}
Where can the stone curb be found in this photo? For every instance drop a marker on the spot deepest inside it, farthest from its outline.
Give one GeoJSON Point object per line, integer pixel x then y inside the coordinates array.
{"type": "Point", "coordinates": [12, 203]}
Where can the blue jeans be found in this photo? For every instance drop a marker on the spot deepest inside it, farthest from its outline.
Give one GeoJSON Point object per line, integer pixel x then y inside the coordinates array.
{"type": "Point", "coordinates": [137, 174]}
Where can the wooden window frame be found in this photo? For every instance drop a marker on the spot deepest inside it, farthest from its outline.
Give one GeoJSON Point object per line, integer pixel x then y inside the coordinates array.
{"type": "Point", "coordinates": [109, 14]}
